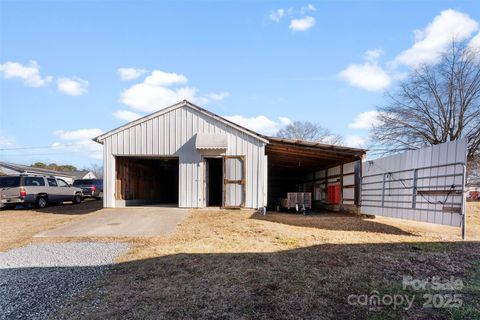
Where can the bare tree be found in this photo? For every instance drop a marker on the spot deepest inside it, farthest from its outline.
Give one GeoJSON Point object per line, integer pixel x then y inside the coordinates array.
{"type": "Point", "coordinates": [436, 103]}
{"type": "Point", "coordinates": [473, 170]}
{"type": "Point", "coordinates": [309, 131]}
{"type": "Point", "coordinates": [97, 170]}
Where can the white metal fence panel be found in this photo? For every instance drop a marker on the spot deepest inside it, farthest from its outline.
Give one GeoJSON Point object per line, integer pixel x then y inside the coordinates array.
{"type": "Point", "coordinates": [423, 185]}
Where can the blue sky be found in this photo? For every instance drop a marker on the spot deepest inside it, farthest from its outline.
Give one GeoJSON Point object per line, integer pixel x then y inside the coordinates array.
{"type": "Point", "coordinates": [70, 70]}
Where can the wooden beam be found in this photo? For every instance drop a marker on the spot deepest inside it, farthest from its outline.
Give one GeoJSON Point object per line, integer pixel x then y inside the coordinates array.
{"type": "Point", "coordinates": [312, 153]}
{"type": "Point", "coordinates": [299, 162]}
{"type": "Point", "coordinates": [321, 149]}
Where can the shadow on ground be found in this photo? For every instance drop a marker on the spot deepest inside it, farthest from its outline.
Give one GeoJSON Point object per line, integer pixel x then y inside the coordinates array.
{"type": "Point", "coordinates": [87, 206]}
{"type": "Point", "coordinates": [330, 221]}
{"type": "Point", "coordinates": [306, 283]}
{"type": "Point", "coordinates": [33, 293]}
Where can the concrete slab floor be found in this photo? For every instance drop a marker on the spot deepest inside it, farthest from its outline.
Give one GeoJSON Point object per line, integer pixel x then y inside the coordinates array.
{"type": "Point", "coordinates": [148, 221]}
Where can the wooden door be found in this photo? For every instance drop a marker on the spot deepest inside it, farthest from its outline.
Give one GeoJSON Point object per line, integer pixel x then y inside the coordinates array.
{"type": "Point", "coordinates": [234, 181]}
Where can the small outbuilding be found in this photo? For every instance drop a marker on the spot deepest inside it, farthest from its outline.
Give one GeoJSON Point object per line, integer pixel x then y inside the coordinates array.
{"type": "Point", "coordinates": [189, 157]}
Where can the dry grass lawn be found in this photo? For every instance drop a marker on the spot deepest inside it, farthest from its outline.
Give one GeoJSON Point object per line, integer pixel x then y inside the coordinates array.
{"type": "Point", "coordinates": [207, 231]}
{"type": "Point", "coordinates": [236, 264]}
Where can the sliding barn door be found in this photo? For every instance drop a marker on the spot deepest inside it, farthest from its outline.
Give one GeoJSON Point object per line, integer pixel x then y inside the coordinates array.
{"type": "Point", "coordinates": [234, 181]}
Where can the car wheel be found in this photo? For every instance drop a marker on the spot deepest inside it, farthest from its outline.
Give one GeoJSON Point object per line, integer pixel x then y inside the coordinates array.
{"type": "Point", "coordinates": [77, 199]}
{"type": "Point", "coordinates": [42, 202]}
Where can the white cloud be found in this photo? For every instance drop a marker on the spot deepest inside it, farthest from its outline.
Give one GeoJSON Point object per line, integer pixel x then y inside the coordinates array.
{"type": "Point", "coordinates": [369, 75]}
{"type": "Point", "coordinates": [373, 55]}
{"type": "Point", "coordinates": [355, 141]}
{"type": "Point", "coordinates": [428, 47]}
{"type": "Point", "coordinates": [475, 42]}
{"type": "Point", "coordinates": [302, 24]}
{"type": "Point", "coordinates": [285, 121]}
{"type": "Point", "coordinates": [307, 8]}
{"type": "Point", "coordinates": [30, 74]}
{"type": "Point", "coordinates": [130, 73]}
{"type": "Point", "coordinates": [299, 20]}
{"type": "Point", "coordinates": [73, 86]}
{"type": "Point", "coordinates": [365, 120]}
{"type": "Point", "coordinates": [260, 124]}
{"type": "Point", "coordinates": [160, 78]}
{"type": "Point", "coordinates": [158, 91]}
{"type": "Point", "coordinates": [276, 15]}
{"type": "Point", "coordinates": [431, 41]}
{"type": "Point", "coordinates": [80, 134]}
{"type": "Point", "coordinates": [5, 141]}
{"type": "Point", "coordinates": [126, 115]}
{"type": "Point", "coordinates": [148, 98]}
{"type": "Point", "coordinates": [79, 141]}
{"type": "Point", "coordinates": [217, 96]}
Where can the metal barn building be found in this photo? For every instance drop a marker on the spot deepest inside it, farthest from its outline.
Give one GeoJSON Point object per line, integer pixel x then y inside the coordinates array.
{"type": "Point", "coordinates": [186, 156]}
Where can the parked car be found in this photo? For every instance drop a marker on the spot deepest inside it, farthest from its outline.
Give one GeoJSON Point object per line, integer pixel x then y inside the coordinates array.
{"type": "Point", "coordinates": [91, 187]}
{"type": "Point", "coordinates": [38, 190]}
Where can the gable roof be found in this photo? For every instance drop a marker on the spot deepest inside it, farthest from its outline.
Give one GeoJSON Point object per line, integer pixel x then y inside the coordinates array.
{"type": "Point", "coordinates": [184, 103]}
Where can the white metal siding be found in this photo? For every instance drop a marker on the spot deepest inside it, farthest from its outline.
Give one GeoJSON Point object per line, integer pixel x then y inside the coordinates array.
{"type": "Point", "coordinates": [172, 134]}
{"type": "Point", "coordinates": [388, 184]}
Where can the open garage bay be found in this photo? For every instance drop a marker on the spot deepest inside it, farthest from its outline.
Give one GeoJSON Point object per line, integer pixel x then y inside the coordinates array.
{"type": "Point", "coordinates": [141, 181]}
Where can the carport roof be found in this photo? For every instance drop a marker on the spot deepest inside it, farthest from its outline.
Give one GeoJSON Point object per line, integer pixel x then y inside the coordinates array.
{"type": "Point", "coordinates": [299, 154]}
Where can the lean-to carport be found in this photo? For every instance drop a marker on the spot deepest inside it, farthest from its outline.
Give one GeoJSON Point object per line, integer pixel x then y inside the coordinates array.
{"type": "Point", "coordinates": [295, 165]}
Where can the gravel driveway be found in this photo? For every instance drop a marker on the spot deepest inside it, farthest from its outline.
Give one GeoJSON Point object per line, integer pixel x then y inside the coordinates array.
{"type": "Point", "coordinates": [37, 279]}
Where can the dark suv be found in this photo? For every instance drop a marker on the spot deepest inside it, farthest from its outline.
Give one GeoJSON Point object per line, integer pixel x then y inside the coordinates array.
{"type": "Point", "coordinates": [91, 187]}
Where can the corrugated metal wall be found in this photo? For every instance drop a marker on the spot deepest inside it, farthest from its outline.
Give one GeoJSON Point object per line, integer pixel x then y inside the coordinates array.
{"type": "Point", "coordinates": [424, 185]}
{"type": "Point", "coordinates": [173, 134]}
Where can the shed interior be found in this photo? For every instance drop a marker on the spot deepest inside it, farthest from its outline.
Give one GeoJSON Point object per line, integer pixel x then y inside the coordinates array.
{"type": "Point", "coordinates": [214, 182]}
{"type": "Point", "coordinates": [293, 164]}
{"type": "Point", "coordinates": [147, 180]}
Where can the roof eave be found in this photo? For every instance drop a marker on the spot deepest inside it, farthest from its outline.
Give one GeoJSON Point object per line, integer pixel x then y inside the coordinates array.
{"type": "Point", "coordinates": [357, 151]}
{"type": "Point", "coordinates": [180, 104]}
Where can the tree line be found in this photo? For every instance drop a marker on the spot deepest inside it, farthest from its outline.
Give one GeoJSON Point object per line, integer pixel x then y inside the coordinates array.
{"type": "Point", "coordinates": [95, 168]}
